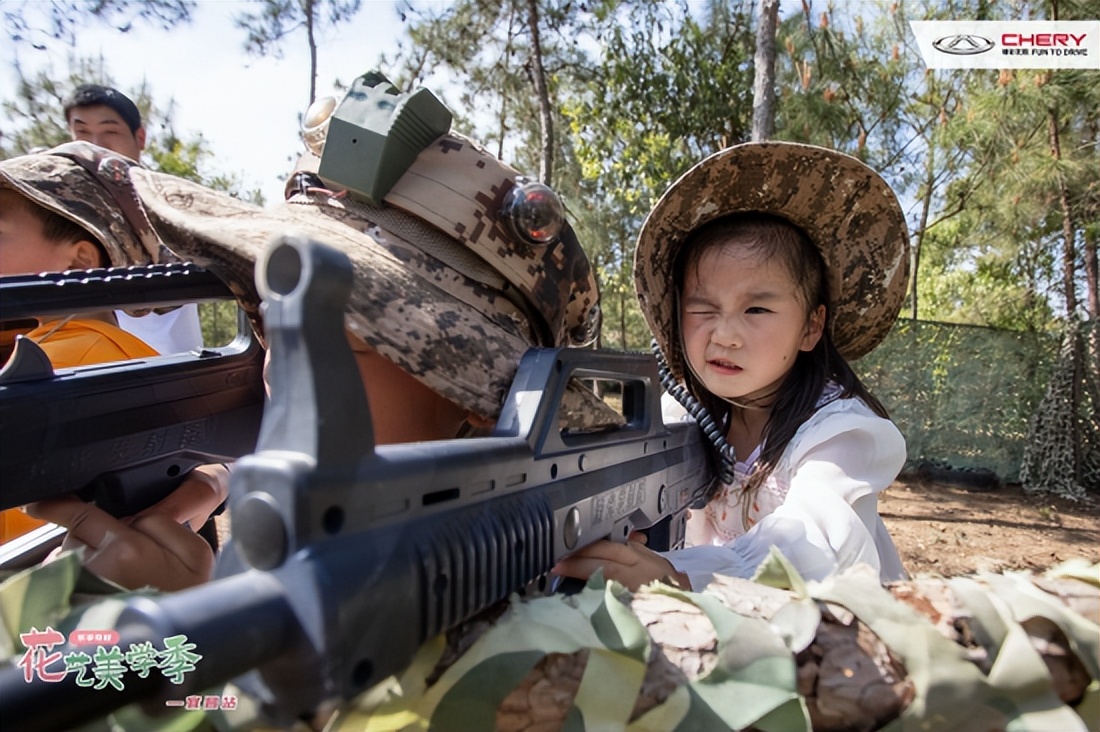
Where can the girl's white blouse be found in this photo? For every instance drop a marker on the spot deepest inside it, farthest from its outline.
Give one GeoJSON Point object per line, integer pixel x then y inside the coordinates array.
{"type": "Point", "coordinates": [819, 506]}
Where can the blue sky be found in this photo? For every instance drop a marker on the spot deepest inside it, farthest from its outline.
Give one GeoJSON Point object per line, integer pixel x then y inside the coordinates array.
{"type": "Point", "coordinates": [247, 108]}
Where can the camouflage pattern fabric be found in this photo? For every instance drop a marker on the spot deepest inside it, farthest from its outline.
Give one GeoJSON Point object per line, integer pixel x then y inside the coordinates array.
{"type": "Point", "coordinates": [89, 185]}
{"type": "Point", "coordinates": [66, 597]}
{"type": "Point", "coordinates": [455, 307]}
{"type": "Point", "coordinates": [1063, 440]}
{"type": "Point", "coordinates": [845, 208]}
{"type": "Point", "coordinates": [458, 187]}
{"type": "Point", "coordinates": [728, 663]}
{"type": "Point", "coordinates": [741, 670]}
{"type": "Point", "coordinates": [61, 594]}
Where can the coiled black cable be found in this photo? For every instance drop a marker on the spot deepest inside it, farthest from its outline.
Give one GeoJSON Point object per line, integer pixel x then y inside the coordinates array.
{"type": "Point", "coordinates": [710, 427]}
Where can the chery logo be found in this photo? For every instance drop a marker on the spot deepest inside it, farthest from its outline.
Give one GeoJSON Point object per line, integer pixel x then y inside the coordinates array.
{"type": "Point", "coordinates": [1043, 39]}
{"type": "Point", "coordinates": [962, 45]}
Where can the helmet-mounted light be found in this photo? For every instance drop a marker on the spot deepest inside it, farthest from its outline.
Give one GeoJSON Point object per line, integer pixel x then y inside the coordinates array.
{"type": "Point", "coordinates": [533, 212]}
{"type": "Point", "coordinates": [315, 124]}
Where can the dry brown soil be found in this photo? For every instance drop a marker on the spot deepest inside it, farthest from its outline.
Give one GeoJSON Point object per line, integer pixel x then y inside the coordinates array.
{"type": "Point", "coordinates": [950, 529]}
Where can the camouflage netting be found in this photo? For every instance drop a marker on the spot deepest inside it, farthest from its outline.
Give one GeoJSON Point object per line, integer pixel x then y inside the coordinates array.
{"type": "Point", "coordinates": [967, 396]}
{"type": "Point", "coordinates": [777, 655]}
{"type": "Point", "coordinates": [989, 653]}
{"type": "Point", "coordinates": [1063, 450]}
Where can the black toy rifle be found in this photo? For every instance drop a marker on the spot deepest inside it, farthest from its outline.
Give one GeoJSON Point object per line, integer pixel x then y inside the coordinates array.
{"type": "Point", "coordinates": [345, 556]}
{"type": "Point", "coordinates": [121, 434]}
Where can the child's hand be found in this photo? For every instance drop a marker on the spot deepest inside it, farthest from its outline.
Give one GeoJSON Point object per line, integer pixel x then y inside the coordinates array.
{"type": "Point", "coordinates": [630, 563]}
{"type": "Point", "coordinates": [198, 496]}
{"type": "Point", "coordinates": [157, 547]}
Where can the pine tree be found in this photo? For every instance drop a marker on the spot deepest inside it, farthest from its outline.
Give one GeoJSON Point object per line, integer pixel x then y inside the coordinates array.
{"type": "Point", "coordinates": [268, 27]}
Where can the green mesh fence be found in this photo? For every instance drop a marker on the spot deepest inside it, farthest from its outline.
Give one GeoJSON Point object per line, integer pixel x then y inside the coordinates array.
{"type": "Point", "coordinates": [1063, 455]}
{"type": "Point", "coordinates": [961, 394]}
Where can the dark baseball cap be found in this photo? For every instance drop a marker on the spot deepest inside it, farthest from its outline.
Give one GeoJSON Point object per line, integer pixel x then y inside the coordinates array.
{"type": "Point", "coordinates": [94, 95]}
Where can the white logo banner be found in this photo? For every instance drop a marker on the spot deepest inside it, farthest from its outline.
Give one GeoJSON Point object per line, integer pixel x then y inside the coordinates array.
{"type": "Point", "coordinates": [1008, 44]}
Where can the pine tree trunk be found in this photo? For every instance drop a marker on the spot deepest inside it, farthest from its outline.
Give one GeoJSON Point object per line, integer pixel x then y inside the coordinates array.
{"type": "Point", "coordinates": [926, 204]}
{"type": "Point", "coordinates": [538, 76]}
{"type": "Point", "coordinates": [1068, 238]}
{"type": "Point", "coordinates": [763, 88]}
{"type": "Point", "coordinates": [1092, 294]}
{"type": "Point", "coordinates": [309, 10]}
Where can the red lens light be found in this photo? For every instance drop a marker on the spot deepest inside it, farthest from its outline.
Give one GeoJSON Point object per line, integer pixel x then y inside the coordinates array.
{"type": "Point", "coordinates": [534, 213]}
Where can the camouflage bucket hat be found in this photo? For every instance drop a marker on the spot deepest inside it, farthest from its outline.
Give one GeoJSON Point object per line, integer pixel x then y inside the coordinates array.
{"type": "Point", "coordinates": [441, 287]}
{"type": "Point", "coordinates": [846, 209]}
{"type": "Point", "coordinates": [61, 184]}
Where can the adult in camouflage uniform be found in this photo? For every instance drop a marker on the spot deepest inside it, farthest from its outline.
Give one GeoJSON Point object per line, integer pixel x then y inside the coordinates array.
{"type": "Point", "coordinates": [447, 295]}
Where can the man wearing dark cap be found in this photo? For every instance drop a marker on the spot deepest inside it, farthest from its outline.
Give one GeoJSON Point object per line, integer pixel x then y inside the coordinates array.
{"type": "Point", "coordinates": [105, 117]}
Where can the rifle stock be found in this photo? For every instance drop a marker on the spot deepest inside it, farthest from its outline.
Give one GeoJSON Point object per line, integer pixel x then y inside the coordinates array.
{"type": "Point", "coordinates": [347, 556]}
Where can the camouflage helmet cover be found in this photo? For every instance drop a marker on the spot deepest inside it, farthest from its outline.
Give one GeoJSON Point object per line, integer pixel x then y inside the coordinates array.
{"type": "Point", "coordinates": [846, 209]}
{"type": "Point", "coordinates": [441, 288]}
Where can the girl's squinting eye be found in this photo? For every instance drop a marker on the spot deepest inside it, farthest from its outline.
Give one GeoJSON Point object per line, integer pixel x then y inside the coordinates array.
{"type": "Point", "coordinates": [757, 310]}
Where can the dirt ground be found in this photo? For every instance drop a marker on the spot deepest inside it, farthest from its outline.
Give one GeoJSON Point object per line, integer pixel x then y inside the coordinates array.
{"type": "Point", "coordinates": [951, 529]}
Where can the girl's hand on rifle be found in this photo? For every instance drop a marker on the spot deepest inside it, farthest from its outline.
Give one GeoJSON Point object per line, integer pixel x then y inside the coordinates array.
{"type": "Point", "coordinates": [630, 563]}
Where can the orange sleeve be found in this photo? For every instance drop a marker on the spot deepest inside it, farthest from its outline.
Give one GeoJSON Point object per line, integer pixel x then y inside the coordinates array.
{"type": "Point", "coordinates": [14, 523]}
{"type": "Point", "coordinates": [83, 342]}
{"type": "Point", "coordinates": [68, 344]}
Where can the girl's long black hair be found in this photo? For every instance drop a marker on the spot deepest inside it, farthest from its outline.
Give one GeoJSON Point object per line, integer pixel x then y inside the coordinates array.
{"type": "Point", "coordinates": [797, 398]}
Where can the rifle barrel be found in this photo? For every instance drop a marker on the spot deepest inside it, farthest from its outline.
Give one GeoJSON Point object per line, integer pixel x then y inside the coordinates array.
{"type": "Point", "coordinates": [64, 293]}
{"type": "Point", "coordinates": [246, 618]}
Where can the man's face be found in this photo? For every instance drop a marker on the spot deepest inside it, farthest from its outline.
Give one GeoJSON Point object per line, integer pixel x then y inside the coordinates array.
{"type": "Point", "coordinates": [23, 248]}
{"type": "Point", "coordinates": [101, 125]}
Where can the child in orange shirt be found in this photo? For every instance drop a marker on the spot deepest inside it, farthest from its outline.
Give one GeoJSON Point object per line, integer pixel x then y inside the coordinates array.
{"type": "Point", "coordinates": [33, 239]}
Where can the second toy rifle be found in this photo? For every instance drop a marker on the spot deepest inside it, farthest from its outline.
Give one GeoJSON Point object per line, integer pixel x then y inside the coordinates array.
{"type": "Point", "coordinates": [123, 434]}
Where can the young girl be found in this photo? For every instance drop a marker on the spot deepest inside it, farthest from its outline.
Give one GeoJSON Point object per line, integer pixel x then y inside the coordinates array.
{"type": "Point", "coordinates": [761, 272]}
